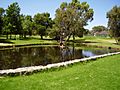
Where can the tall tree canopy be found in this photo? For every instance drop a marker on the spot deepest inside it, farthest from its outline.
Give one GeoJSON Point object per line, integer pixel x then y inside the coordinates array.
{"type": "Point", "coordinates": [72, 17]}
{"type": "Point", "coordinates": [13, 18]}
{"type": "Point", "coordinates": [114, 22]}
{"type": "Point", "coordinates": [27, 25]}
{"type": "Point", "coordinates": [42, 23]}
{"type": "Point", "coordinates": [1, 19]}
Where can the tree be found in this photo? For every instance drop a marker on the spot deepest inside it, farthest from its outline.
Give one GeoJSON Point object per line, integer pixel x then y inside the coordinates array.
{"type": "Point", "coordinates": [98, 29]}
{"type": "Point", "coordinates": [114, 22]}
{"type": "Point", "coordinates": [72, 17]}
{"type": "Point", "coordinates": [27, 25]}
{"type": "Point", "coordinates": [42, 23]}
{"type": "Point", "coordinates": [1, 19]}
{"type": "Point", "coordinates": [13, 15]}
{"type": "Point", "coordinates": [54, 32]}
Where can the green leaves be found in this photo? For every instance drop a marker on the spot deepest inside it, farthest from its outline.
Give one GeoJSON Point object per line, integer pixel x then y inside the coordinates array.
{"type": "Point", "coordinates": [42, 23]}
{"type": "Point", "coordinates": [73, 16]}
{"type": "Point", "coordinates": [1, 11]}
{"type": "Point", "coordinates": [13, 18]}
{"type": "Point", "coordinates": [1, 19]}
{"type": "Point", "coordinates": [114, 22]}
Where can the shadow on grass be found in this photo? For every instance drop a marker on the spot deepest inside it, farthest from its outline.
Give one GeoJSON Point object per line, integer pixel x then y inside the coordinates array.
{"type": "Point", "coordinates": [82, 41]}
{"type": "Point", "coordinates": [116, 43]}
{"type": "Point", "coordinates": [5, 41]}
{"type": "Point", "coordinates": [90, 42]}
{"type": "Point", "coordinates": [36, 38]}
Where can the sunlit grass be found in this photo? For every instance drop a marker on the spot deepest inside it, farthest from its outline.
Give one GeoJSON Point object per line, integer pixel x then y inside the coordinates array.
{"type": "Point", "coordinates": [102, 74]}
{"type": "Point", "coordinates": [88, 40]}
{"type": "Point", "coordinates": [101, 41]}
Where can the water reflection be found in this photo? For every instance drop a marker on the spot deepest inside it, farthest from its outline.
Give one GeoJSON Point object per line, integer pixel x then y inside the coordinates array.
{"type": "Point", "coordinates": [34, 56]}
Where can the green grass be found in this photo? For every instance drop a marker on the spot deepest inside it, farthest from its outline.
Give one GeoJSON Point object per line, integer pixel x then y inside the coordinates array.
{"type": "Point", "coordinates": [102, 74]}
{"type": "Point", "coordinates": [101, 41]}
{"type": "Point", "coordinates": [88, 40]}
{"type": "Point", "coordinates": [30, 40]}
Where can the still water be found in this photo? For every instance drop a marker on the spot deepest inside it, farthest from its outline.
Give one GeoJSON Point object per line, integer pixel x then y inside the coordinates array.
{"type": "Point", "coordinates": [43, 55]}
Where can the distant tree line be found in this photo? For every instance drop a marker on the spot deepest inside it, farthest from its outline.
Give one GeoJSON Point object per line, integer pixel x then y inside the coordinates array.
{"type": "Point", "coordinates": [99, 31]}
{"type": "Point", "coordinates": [14, 23]}
{"type": "Point", "coordinates": [69, 20]}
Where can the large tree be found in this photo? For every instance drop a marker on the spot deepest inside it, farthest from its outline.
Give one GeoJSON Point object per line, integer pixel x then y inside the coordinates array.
{"type": "Point", "coordinates": [13, 18]}
{"type": "Point", "coordinates": [27, 25]}
{"type": "Point", "coordinates": [114, 22]}
{"type": "Point", "coordinates": [1, 19]}
{"type": "Point", "coordinates": [42, 23]}
{"type": "Point", "coordinates": [72, 17]}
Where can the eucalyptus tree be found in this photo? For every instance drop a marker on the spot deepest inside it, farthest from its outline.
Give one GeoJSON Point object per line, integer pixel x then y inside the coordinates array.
{"type": "Point", "coordinates": [72, 17]}
{"type": "Point", "coordinates": [2, 11]}
{"type": "Point", "coordinates": [13, 18]}
{"type": "Point", "coordinates": [42, 23]}
{"type": "Point", "coordinates": [114, 22]}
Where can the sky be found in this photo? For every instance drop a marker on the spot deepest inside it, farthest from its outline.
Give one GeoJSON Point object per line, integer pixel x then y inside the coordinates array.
{"type": "Point", "coordinates": [31, 7]}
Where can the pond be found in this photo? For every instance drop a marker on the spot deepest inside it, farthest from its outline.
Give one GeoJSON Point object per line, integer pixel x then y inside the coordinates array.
{"type": "Point", "coordinates": [43, 55]}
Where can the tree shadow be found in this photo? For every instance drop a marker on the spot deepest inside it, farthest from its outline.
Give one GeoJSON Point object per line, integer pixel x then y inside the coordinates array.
{"type": "Point", "coordinates": [116, 43]}
{"type": "Point", "coordinates": [82, 41]}
{"type": "Point", "coordinates": [90, 42]}
{"type": "Point", "coordinates": [5, 41]}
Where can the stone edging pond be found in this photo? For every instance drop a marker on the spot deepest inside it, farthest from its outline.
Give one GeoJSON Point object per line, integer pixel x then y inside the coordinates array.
{"type": "Point", "coordinates": [25, 70]}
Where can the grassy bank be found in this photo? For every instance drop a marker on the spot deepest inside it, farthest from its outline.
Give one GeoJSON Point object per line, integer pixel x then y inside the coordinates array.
{"type": "Point", "coordinates": [29, 40]}
{"type": "Point", "coordinates": [102, 74]}
{"type": "Point", "coordinates": [87, 40]}
{"type": "Point", "coordinates": [100, 41]}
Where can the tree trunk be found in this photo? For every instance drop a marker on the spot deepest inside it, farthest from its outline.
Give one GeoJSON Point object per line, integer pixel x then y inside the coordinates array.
{"type": "Point", "coordinates": [73, 37]}
{"type": "Point", "coordinates": [24, 35]}
{"type": "Point", "coordinates": [41, 36]}
{"type": "Point", "coordinates": [7, 36]}
{"type": "Point", "coordinates": [10, 35]}
{"type": "Point", "coordinates": [15, 37]}
{"type": "Point", "coordinates": [73, 50]}
{"type": "Point", "coordinates": [20, 36]}
{"type": "Point", "coordinates": [69, 37]}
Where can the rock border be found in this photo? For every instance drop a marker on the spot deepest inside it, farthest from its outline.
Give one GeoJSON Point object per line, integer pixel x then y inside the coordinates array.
{"type": "Point", "coordinates": [26, 70]}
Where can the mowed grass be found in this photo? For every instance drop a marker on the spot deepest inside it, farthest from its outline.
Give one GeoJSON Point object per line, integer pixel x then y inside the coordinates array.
{"type": "Point", "coordinates": [101, 41]}
{"type": "Point", "coordinates": [33, 41]}
{"type": "Point", "coordinates": [102, 74]}
{"type": "Point", "coordinates": [29, 40]}
{"type": "Point", "coordinates": [88, 40]}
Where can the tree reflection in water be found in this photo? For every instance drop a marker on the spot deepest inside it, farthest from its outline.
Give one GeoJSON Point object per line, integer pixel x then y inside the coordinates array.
{"type": "Point", "coordinates": [34, 56]}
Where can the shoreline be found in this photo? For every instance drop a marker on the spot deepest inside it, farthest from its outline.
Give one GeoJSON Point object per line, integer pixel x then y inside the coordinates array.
{"type": "Point", "coordinates": [32, 69]}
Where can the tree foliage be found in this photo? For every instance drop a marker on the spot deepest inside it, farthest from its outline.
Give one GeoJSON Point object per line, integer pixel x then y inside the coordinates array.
{"type": "Point", "coordinates": [27, 25]}
{"type": "Point", "coordinates": [98, 29]}
{"type": "Point", "coordinates": [114, 22]}
{"type": "Point", "coordinates": [72, 17]}
{"type": "Point", "coordinates": [13, 18]}
{"type": "Point", "coordinates": [1, 19]}
{"type": "Point", "coordinates": [42, 23]}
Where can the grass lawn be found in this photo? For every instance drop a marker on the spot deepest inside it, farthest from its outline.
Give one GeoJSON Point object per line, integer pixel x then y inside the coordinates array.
{"type": "Point", "coordinates": [101, 41]}
{"type": "Point", "coordinates": [88, 40]}
{"type": "Point", "coordinates": [102, 74]}
{"type": "Point", "coordinates": [33, 41]}
{"type": "Point", "coordinates": [29, 40]}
